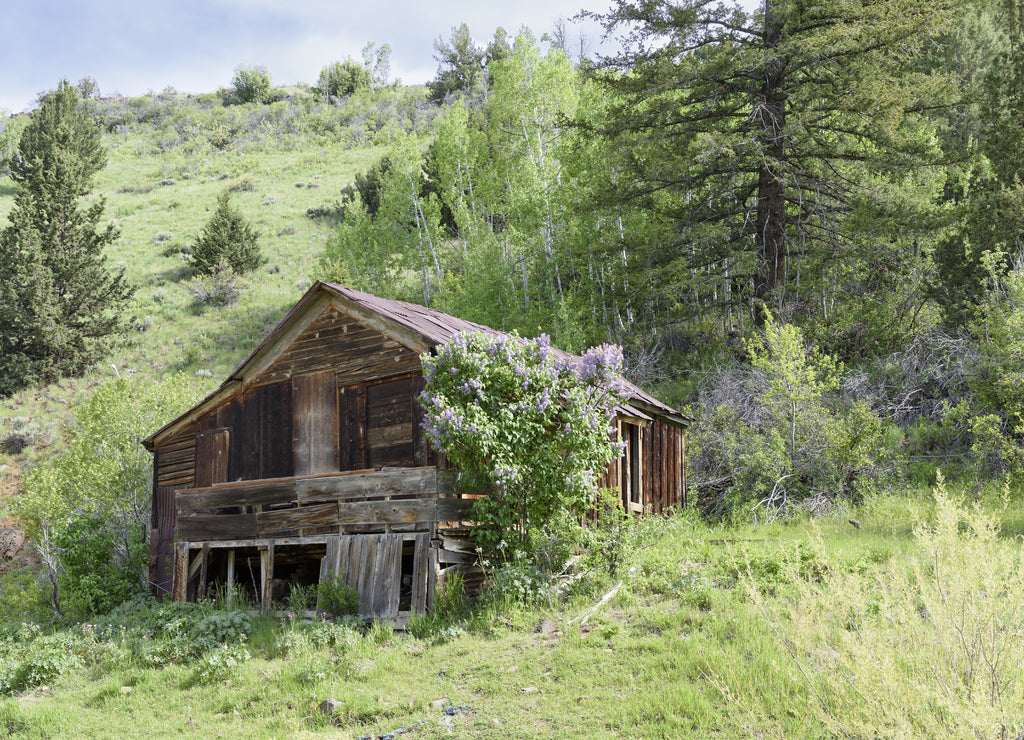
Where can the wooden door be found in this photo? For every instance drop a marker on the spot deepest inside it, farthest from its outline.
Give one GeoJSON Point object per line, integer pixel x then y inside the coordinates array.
{"type": "Point", "coordinates": [212, 449]}
{"type": "Point", "coordinates": [372, 565]}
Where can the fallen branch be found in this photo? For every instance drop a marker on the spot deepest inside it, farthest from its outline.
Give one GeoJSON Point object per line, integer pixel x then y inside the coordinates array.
{"type": "Point", "coordinates": [604, 600]}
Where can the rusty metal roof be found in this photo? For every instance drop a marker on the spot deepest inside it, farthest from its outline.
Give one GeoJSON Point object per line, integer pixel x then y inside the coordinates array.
{"type": "Point", "coordinates": [435, 326]}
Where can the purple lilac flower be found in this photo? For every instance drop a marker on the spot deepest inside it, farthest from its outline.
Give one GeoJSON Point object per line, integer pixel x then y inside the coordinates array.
{"type": "Point", "coordinates": [543, 346]}
{"type": "Point", "coordinates": [544, 401]}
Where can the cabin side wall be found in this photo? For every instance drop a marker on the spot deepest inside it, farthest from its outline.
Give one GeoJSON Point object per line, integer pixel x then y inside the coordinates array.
{"type": "Point", "coordinates": [650, 474]}
{"type": "Point", "coordinates": [664, 481]}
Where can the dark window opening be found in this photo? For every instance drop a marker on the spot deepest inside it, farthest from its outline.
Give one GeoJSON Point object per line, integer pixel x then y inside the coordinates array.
{"type": "Point", "coordinates": [408, 564]}
{"type": "Point", "coordinates": [631, 481]}
{"type": "Point", "coordinates": [294, 566]}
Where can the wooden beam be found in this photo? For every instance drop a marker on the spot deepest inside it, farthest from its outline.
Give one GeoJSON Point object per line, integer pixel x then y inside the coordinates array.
{"type": "Point", "coordinates": [216, 527]}
{"type": "Point", "coordinates": [231, 576]}
{"type": "Point", "coordinates": [448, 557]}
{"type": "Point", "coordinates": [432, 568]}
{"type": "Point", "coordinates": [406, 482]}
{"type": "Point", "coordinates": [180, 571]}
{"type": "Point", "coordinates": [297, 518]}
{"type": "Point", "coordinates": [255, 494]}
{"type": "Point", "coordinates": [266, 576]}
{"type": "Point", "coordinates": [420, 565]}
{"type": "Point", "coordinates": [201, 591]}
{"type": "Point", "coordinates": [386, 512]}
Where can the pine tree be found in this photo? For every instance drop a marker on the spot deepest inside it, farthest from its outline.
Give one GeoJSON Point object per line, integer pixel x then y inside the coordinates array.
{"type": "Point", "coordinates": [753, 137]}
{"type": "Point", "coordinates": [460, 65]}
{"type": "Point", "coordinates": [992, 209]}
{"type": "Point", "coordinates": [228, 236]}
{"type": "Point", "coordinates": [60, 305]}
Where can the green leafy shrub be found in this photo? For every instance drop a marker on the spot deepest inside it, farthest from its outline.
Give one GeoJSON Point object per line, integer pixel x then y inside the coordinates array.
{"type": "Point", "coordinates": [251, 84]}
{"type": "Point", "coordinates": [226, 236]}
{"type": "Point", "coordinates": [148, 633]}
{"type": "Point", "coordinates": [221, 663]}
{"type": "Point", "coordinates": [996, 408]}
{"type": "Point", "coordinates": [341, 79]}
{"type": "Point", "coordinates": [88, 508]}
{"type": "Point", "coordinates": [21, 596]}
{"type": "Point", "coordinates": [336, 598]}
{"type": "Point", "coordinates": [774, 437]}
{"type": "Point", "coordinates": [99, 567]}
{"type": "Point", "coordinates": [33, 658]}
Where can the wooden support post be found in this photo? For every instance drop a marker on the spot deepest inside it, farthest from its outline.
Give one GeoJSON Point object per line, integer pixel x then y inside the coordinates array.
{"type": "Point", "coordinates": [266, 574]}
{"type": "Point", "coordinates": [420, 567]}
{"type": "Point", "coordinates": [432, 573]}
{"type": "Point", "coordinates": [231, 577]}
{"type": "Point", "coordinates": [180, 571]}
{"type": "Point", "coordinates": [201, 591]}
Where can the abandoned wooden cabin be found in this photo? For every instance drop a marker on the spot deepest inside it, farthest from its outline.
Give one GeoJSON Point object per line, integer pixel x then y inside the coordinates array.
{"type": "Point", "coordinates": [309, 461]}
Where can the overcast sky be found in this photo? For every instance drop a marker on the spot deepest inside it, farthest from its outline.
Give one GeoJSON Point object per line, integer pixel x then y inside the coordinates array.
{"type": "Point", "coordinates": [134, 46]}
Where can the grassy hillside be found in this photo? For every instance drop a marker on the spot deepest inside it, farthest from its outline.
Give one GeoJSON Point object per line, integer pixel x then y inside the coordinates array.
{"type": "Point", "coordinates": [170, 156]}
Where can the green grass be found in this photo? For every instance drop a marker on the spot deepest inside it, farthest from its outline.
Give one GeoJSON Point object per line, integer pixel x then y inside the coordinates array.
{"type": "Point", "coordinates": [706, 637]}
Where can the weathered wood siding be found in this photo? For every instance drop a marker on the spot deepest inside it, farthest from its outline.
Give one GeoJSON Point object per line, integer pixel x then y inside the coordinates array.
{"type": "Point", "coordinates": [316, 427]}
{"type": "Point", "coordinates": [372, 565]}
{"type": "Point", "coordinates": [664, 484]}
{"type": "Point", "coordinates": [338, 342]}
{"type": "Point", "coordinates": [175, 462]}
{"type": "Point", "coordinates": [341, 397]}
{"type": "Point", "coordinates": [390, 423]}
{"type": "Point", "coordinates": [400, 500]}
{"type": "Point", "coordinates": [662, 463]}
{"type": "Point", "coordinates": [161, 539]}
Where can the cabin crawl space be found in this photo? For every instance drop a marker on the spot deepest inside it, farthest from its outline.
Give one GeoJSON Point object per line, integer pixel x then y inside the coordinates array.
{"type": "Point", "coordinates": [309, 463]}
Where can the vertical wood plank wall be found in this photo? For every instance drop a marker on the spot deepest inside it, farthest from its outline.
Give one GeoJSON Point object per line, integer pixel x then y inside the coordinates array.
{"type": "Point", "coordinates": [161, 540]}
{"type": "Point", "coordinates": [212, 457]}
{"type": "Point", "coordinates": [663, 465]}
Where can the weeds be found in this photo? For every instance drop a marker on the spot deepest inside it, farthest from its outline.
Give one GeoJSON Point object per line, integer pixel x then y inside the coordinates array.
{"type": "Point", "coordinates": [337, 599]}
{"type": "Point", "coordinates": [21, 434]}
{"type": "Point", "coordinates": [932, 646]}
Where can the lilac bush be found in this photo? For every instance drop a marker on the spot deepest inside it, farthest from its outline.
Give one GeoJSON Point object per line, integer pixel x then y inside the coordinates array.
{"type": "Point", "coordinates": [527, 425]}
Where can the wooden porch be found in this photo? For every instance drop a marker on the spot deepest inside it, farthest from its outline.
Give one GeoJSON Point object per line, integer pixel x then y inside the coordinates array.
{"type": "Point", "coordinates": [387, 533]}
